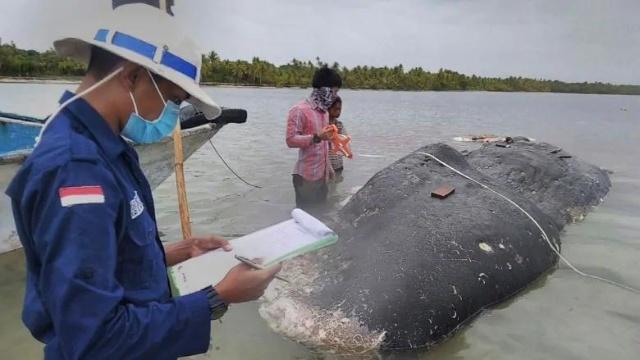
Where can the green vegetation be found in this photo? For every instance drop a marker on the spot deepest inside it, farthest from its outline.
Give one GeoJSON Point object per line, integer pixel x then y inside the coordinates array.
{"type": "Point", "coordinates": [15, 62]}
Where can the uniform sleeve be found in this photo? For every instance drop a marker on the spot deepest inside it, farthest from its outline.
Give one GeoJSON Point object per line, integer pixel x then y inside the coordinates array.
{"type": "Point", "coordinates": [295, 126]}
{"type": "Point", "coordinates": [73, 220]}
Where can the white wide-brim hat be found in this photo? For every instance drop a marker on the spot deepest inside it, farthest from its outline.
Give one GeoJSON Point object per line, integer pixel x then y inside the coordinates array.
{"type": "Point", "coordinates": [152, 38]}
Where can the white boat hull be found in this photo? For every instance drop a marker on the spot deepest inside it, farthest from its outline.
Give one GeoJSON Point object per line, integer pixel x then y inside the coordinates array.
{"type": "Point", "coordinates": [156, 161]}
{"type": "Point", "coordinates": [8, 237]}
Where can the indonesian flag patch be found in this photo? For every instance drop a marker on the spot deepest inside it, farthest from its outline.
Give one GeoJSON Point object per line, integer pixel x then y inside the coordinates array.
{"type": "Point", "coordinates": [80, 195]}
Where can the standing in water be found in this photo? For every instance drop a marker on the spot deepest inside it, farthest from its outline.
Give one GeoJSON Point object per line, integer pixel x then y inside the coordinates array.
{"type": "Point", "coordinates": [306, 131]}
{"type": "Point", "coordinates": [334, 157]}
{"type": "Point", "coordinates": [97, 284]}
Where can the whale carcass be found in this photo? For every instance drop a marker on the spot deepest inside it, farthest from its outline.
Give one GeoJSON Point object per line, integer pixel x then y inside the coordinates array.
{"type": "Point", "coordinates": [411, 269]}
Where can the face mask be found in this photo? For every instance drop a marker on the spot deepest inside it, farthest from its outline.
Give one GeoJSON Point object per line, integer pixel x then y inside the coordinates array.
{"type": "Point", "coordinates": [142, 131]}
{"type": "Point", "coordinates": [323, 97]}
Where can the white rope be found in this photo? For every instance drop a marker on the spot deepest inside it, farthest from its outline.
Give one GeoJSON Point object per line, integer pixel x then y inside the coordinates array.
{"type": "Point", "coordinates": [74, 98]}
{"type": "Point", "coordinates": [544, 234]}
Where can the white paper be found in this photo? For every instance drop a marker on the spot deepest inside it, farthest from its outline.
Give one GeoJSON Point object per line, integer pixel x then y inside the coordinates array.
{"type": "Point", "coordinates": [271, 245]}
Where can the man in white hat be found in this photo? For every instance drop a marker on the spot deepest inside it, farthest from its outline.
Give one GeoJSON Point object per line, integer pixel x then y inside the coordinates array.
{"type": "Point", "coordinates": [97, 285]}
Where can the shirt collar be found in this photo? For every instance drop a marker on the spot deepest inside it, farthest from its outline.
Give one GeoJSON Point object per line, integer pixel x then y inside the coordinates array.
{"type": "Point", "coordinates": [314, 106]}
{"type": "Point", "coordinates": [97, 126]}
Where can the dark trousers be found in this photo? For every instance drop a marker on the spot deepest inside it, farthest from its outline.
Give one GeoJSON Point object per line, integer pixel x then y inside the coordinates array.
{"type": "Point", "coordinates": [309, 194]}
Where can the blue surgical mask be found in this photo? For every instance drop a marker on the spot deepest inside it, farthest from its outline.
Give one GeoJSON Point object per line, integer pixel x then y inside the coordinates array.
{"type": "Point", "coordinates": [143, 131]}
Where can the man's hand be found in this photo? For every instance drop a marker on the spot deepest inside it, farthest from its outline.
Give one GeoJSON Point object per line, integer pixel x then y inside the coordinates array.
{"type": "Point", "coordinates": [201, 245]}
{"type": "Point", "coordinates": [242, 283]}
{"type": "Point", "coordinates": [326, 134]}
{"type": "Point", "coordinates": [192, 247]}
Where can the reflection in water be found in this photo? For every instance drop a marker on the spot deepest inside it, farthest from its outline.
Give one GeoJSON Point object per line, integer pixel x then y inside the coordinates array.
{"type": "Point", "coordinates": [561, 317]}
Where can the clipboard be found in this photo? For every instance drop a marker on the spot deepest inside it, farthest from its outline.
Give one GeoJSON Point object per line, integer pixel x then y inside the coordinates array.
{"type": "Point", "coordinates": [297, 236]}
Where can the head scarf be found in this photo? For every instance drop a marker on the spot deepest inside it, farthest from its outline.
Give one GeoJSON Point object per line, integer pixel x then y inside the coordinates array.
{"type": "Point", "coordinates": [322, 98]}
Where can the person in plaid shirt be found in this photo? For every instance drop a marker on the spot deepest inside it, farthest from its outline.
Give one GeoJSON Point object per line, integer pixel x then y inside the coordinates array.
{"type": "Point", "coordinates": [306, 125]}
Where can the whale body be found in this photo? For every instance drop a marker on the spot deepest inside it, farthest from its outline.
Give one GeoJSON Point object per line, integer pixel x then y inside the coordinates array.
{"type": "Point", "coordinates": [411, 269]}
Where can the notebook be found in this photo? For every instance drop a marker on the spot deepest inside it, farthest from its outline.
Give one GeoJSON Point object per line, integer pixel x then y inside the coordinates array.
{"type": "Point", "coordinates": [300, 235]}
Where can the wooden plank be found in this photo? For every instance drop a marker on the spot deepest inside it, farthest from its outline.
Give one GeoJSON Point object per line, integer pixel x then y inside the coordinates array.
{"type": "Point", "coordinates": [443, 191]}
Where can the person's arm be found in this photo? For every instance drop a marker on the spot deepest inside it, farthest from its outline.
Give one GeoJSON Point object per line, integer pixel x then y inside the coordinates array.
{"type": "Point", "coordinates": [77, 247]}
{"type": "Point", "coordinates": [295, 124]}
{"type": "Point", "coordinates": [332, 173]}
{"type": "Point", "coordinates": [343, 129]}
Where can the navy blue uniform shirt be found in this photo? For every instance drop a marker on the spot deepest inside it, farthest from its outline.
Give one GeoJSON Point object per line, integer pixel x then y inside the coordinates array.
{"type": "Point", "coordinates": [96, 274]}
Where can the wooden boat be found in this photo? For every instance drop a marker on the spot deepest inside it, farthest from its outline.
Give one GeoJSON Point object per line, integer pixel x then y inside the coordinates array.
{"type": "Point", "coordinates": [17, 136]}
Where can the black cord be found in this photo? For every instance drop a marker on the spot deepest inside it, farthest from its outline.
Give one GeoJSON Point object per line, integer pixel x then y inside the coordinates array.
{"type": "Point", "coordinates": [230, 169]}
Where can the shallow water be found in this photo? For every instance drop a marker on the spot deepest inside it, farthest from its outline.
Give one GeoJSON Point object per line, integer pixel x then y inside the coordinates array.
{"type": "Point", "coordinates": [561, 317]}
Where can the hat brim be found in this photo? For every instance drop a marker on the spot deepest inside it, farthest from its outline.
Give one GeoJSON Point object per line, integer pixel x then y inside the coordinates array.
{"type": "Point", "coordinates": [80, 50]}
{"type": "Point", "coordinates": [203, 102]}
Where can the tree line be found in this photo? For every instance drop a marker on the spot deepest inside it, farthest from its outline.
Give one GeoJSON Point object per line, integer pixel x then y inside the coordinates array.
{"type": "Point", "coordinates": [16, 62]}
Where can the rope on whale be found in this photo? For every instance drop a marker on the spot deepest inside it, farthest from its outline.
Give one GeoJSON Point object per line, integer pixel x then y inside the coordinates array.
{"type": "Point", "coordinates": [544, 234]}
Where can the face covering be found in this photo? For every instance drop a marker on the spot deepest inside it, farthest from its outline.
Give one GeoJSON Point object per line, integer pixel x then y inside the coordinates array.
{"type": "Point", "coordinates": [143, 131]}
{"type": "Point", "coordinates": [323, 97]}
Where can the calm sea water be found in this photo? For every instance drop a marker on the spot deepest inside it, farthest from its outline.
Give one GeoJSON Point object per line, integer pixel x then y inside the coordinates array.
{"type": "Point", "coordinates": [561, 317]}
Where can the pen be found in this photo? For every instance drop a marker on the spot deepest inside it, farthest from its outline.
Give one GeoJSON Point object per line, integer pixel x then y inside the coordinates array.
{"type": "Point", "coordinates": [258, 267]}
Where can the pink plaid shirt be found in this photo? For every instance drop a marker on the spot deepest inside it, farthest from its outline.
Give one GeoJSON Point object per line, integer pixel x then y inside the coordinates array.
{"type": "Point", "coordinates": [303, 121]}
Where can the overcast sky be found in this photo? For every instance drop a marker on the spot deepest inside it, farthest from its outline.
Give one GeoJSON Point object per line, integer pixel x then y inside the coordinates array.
{"type": "Point", "coordinates": [571, 40]}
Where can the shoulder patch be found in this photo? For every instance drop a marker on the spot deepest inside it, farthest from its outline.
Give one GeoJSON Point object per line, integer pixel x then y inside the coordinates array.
{"type": "Point", "coordinates": [81, 195]}
{"type": "Point", "coordinates": [137, 207]}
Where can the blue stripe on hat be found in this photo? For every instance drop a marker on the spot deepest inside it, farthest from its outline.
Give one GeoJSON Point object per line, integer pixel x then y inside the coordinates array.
{"type": "Point", "coordinates": [102, 35]}
{"type": "Point", "coordinates": [148, 50]}
{"type": "Point", "coordinates": [134, 44]}
{"type": "Point", "coordinates": [177, 63]}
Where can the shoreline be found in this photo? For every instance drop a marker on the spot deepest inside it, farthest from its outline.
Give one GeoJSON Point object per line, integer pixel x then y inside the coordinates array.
{"type": "Point", "coordinates": [29, 80]}
{"type": "Point", "coordinates": [76, 81]}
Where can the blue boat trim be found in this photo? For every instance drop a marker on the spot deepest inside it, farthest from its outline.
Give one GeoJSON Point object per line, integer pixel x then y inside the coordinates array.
{"type": "Point", "coordinates": [16, 137]}
{"type": "Point", "coordinates": [21, 117]}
